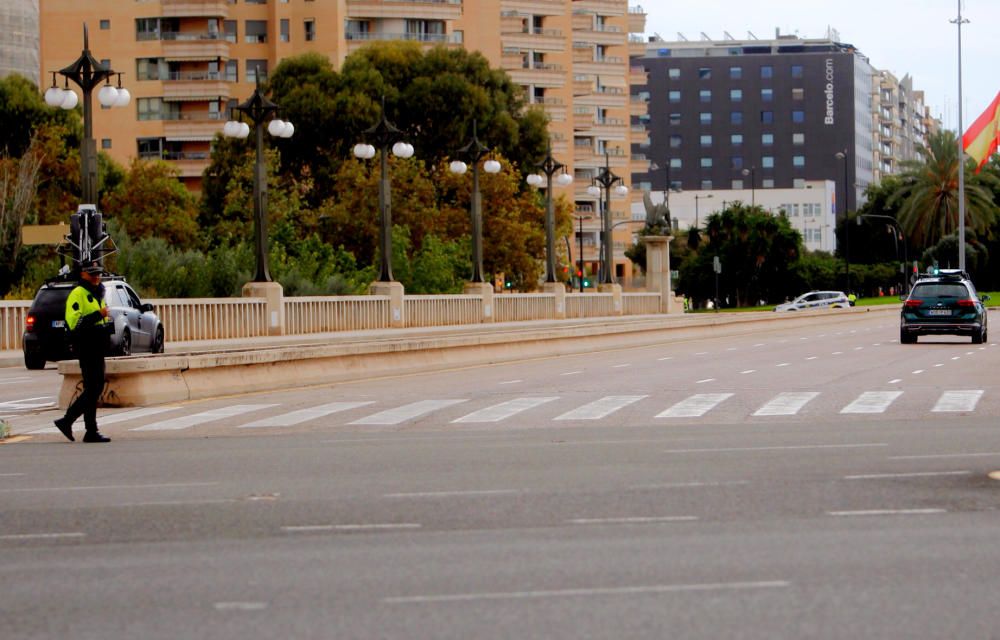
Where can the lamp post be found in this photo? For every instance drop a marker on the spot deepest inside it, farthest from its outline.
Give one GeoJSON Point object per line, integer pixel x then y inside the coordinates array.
{"type": "Point", "coordinates": [383, 134]}
{"type": "Point", "coordinates": [961, 149]}
{"type": "Point", "coordinates": [87, 73]}
{"type": "Point", "coordinates": [579, 235]}
{"type": "Point", "coordinates": [842, 156]}
{"type": "Point", "coordinates": [897, 231]}
{"type": "Point", "coordinates": [476, 151]}
{"type": "Point", "coordinates": [605, 180]}
{"type": "Point", "coordinates": [258, 109]}
{"type": "Point", "coordinates": [696, 199]}
{"type": "Point", "coordinates": [752, 172]}
{"type": "Point", "coordinates": [550, 167]}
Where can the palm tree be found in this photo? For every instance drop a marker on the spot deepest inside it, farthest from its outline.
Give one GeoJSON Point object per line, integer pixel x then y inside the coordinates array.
{"type": "Point", "coordinates": [928, 198]}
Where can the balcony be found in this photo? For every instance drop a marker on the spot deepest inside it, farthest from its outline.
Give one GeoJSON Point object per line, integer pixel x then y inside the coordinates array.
{"type": "Point", "coordinates": [555, 108]}
{"type": "Point", "coordinates": [638, 76]}
{"type": "Point", "coordinates": [608, 129]}
{"type": "Point", "coordinates": [601, 66]}
{"type": "Point", "coordinates": [403, 9]}
{"type": "Point", "coordinates": [191, 164]}
{"type": "Point", "coordinates": [607, 97]}
{"type": "Point", "coordinates": [542, 75]}
{"type": "Point", "coordinates": [193, 126]}
{"type": "Point", "coordinates": [355, 39]}
{"type": "Point", "coordinates": [638, 106]}
{"type": "Point", "coordinates": [603, 7]}
{"type": "Point", "coordinates": [617, 160]}
{"type": "Point", "coordinates": [190, 85]}
{"type": "Point", "coordinates": [192, 45]}
{"type": "Point", "coordinates": [536, 7]}
{"type": "Point", "coordinates": [583, 87]}
{"type": "Point", "coordinates": [194, 8]}
{"type": "Point", "coordinates": [637, 46]}
{"type": "Point", "coordinates": [636, 19]}
{"type": "Point", "coordinates": [601, 34]}
{"type": "Point", "coordinates": [536, 39]}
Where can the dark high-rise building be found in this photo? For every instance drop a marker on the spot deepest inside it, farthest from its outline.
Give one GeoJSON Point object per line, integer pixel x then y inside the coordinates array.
{"type": "Point", "coordinates": [758, 114]}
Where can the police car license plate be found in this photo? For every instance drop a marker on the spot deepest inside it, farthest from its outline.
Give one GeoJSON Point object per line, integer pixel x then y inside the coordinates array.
{"type": "Point", "coordinates": [58, 324]}
{"type": "Point", "coordinates": [939, 312]}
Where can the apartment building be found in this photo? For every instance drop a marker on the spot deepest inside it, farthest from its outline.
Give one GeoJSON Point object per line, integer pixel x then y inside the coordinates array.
{"type": "Point", "coordinates": [186, 61]}
{"type": "Point", "coordinates": [900, 123]}
{"type": "Point", "coordinates": [19, 38]}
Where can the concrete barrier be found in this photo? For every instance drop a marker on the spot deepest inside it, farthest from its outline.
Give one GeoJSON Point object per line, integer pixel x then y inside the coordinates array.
{"type": "Point", "coordinates": [148, 380]}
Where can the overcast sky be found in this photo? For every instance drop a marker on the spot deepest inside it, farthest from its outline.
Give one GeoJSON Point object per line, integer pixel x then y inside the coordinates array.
{"type": "Point", "coordinates": [901, 36]}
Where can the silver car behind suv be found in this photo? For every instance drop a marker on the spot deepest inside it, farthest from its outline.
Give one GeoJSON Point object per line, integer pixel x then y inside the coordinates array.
{"type": "Point", "coordinates": [816, 300]}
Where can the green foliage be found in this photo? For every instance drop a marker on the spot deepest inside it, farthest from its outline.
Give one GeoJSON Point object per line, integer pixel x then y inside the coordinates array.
{"type": "Point", "coordinates": [440, 267]}
{"type": "Point", "coordinates": [22, 103]}
{"type": "Point", "coordinates": [151, 202]}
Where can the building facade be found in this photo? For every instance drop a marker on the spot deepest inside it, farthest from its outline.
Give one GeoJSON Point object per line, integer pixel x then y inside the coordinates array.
{"type": "Point", "coordinates": [19, 38]}
{"type": "Point", "coordinates": [900, 123]}
{"type": "Point", "coordinates": [187, 61]}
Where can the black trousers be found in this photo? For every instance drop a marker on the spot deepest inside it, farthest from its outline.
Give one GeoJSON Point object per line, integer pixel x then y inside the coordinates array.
{"type": "Point", "coordinates": [92, 368]}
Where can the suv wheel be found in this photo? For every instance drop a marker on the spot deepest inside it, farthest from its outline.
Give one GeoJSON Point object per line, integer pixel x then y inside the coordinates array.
{"type": "Point", "coordinates": [158, 341]}
{"type": "Point", "coordinates": [34, 362]}
{"type": "Point", "coordinates": [979, 338]}
{"type": "Point", "coordinates": [125, 348]}
{"type": "Point", "coordinates": [907, 338]}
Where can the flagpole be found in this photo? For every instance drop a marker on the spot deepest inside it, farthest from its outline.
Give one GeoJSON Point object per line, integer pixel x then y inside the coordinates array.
{"type": "Point", "coordinates": [961, 147]}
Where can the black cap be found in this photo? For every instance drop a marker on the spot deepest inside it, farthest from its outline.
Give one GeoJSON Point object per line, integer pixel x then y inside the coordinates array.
{"type": "Point", "coordinates": [92, 267]}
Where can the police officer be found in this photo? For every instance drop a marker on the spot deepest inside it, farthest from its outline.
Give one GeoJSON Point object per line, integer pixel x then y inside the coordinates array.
{"type": "Point", "coordinates": [90, 330]}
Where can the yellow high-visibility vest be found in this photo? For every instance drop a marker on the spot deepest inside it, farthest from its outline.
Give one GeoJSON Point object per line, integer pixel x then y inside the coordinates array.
{"type": "Point", "coordinates": [80, 303]}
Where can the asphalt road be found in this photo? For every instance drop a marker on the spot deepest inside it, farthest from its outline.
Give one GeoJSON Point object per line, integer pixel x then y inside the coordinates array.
{"type": "Point", "coordinates": [817, 483]}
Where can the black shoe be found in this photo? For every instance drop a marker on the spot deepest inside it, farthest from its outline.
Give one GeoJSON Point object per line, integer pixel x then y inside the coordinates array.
{"type": "Point", "coordinates": [94, 436]}
{"type": "Point", "coordinates": [65, 429]}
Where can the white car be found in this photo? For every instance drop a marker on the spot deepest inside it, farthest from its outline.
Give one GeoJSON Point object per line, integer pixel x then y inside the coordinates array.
{"type": "Point", "coordinates": [816, 300]}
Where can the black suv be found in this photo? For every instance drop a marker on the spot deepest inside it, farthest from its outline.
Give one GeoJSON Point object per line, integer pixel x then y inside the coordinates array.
{"type": "Point", "coordinates": [46, 339]}
{"type": "Point", "coordinates": [943, 302]}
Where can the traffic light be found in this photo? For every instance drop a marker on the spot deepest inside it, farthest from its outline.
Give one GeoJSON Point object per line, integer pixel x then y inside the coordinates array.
{"type": "Point", "coordinates": [586, 282]}
{"type": "Point", "coordinates": [507, 283]}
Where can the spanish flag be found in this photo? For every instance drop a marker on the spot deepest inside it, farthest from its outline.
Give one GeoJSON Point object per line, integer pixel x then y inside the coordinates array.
{"type": "Point", "coordinates": [980, 141]}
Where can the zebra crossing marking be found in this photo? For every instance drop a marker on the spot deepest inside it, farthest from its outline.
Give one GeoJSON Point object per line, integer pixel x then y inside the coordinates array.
{"type": "Point", "coordinates": [498, 412]}
{"type": "Point", "coordinates": [872, 402]}
{"type": "Point", "coordinates": [304, 415]}
{"type": "Point", "coordinates": [185, 422]}
{"type": "Point", "coordinates": [600, 408]}
{"type": "Point", "coordinates": [957, 401]}
{"type": "Point", "coordinates": [695, 406]}
{"type": "Point", "coordinates": [406, 412]}
{"type": "Point", "coordinates": [786, 404]}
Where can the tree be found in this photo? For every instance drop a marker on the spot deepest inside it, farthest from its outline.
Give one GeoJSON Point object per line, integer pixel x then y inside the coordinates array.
{"type": "Point", "coordinates": [21, 103]}
{"type": "Point", "coordinates": [151, 202]}
{"type": "Point", "coordinates": [18, 182]}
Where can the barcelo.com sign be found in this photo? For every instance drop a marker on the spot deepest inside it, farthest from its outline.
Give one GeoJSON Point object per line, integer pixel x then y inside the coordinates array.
{"type": "Point", "coordinates": [828, 120]}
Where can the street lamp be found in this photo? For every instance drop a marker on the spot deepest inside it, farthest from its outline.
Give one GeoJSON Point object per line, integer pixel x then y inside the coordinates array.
{"type": "Point", "coordinates": [897, 232]}
{"type": "Point", "coordinates": [961, 148]}
{"type": "Point", "coordinates": [476, 151]}
{"type": "Point", "coordinates": [605, 180]}
{"type": "Point", "coordinates": [259, 110]}
{"type": "Point", "coordinates": [550, 167]}
{"type": "Point", "coordinates": [842, 156]}
{"type": "Point", "coordinates": [87, 73]}
{"type": "Point", "coordinates": [752, 172]}
{"type": "Point", "coordinates": [694, 235]}
{"type": "Point", "coordinates": [383, 134]}
{"type": "Point", "coordinates": [579, 235]}
{"type": "Point", "coordinates": [669, 185]}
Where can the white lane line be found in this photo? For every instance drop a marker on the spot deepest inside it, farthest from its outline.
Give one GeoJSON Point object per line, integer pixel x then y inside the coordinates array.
{"type": "Point", "coordinates": [872, 402]}
{"type": "Point", "coordinates": [406, 412]}
{"type": "Point", "coordinates": [168, 485]}
{"type": "Point", "coordinates": [895, 381]}
{"type": "Point", "coordinates": [786, 404]}
{"type": "Point", "coordinates": [11, 475]}
{"type": "Point", "coordinates": [600, 408]}
{"type": "Point", "coordinates": [957, 357]}
{"type": "Point", "coordinates": [240, 606]}
{"type": "Point", "coordinates": [811, 358]}
{"type": "Point", "coordinates": [886, 512]}
{"type": "Point", "coordinates": [453, 494]}
{"type": "Point", "coordinates": [958, 401]}
{"type": "Point", "coordinates": [917, 372]}
{"type": "Point", "coordinates": [350, 527]}
{"type": "Point", "coordinates": [504, 410]}
{"type": "Point", "coordinates": [697, 405]}
{"type": "Point", "coordinates": [24, 402]}
{"type": "Point", "coordinates": [633, 520]}
{"type": "Point", "coordinates": [690, 485]}
{"type": "Point", "coordinates": [596, 591]}
{"type": "Point", "coordinates": [858, 348]}
{"type": "Point", "coordinates": [748, 371]}
{"type": "Point", "coordinates": [667, 358]}
{"type": "Point", "coordinates": [511, 381]}
{"type": "Point", "coordinates": [704, 380]}
{"type": "Point", "coordinates": [915, 474]}
{"type": "Point", "coordinates": [939, 365]}
{"type": "Point", "coordinates": [185, 422]}
{"type": "Point", "coordinates": [621, 366]}
{"type": "Point", "coordinates": [701, 353]}
{"type": "Point", "coordinates": [783, 364]}
{"type": "Point", "coordinates": [780, 448]}
{"type": "Point", "coordinates": [304, 415]}
{"type": "Point", "coordinates": [41, 536]}
{"type": "Point", "coordinates": [936, 456]}
{"type": "Point", "coordinates": [732, 349]}
{"type": "Point", "coordinates": [759, 344]}
{"type": "Point", "coordinates": [15, 381]}
{"type": "Point", "coordinates": [571, 373]}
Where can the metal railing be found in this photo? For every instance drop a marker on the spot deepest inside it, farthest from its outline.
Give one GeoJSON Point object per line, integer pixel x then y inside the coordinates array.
{"type": "Point", "coordinates": [637, 304]}
{"type": "Point", "coordinates": [437, 311]}
{"type": "Point", "coordinates": [211, 318]}
{"type": "Point", "coordinates": [318, 314]}
{"type": "Point", "coordinates": [12, 322]}
{"type": "Point", "coordinates": [514, 307]}
{"type": "Point", "coordinates": [589, 305]}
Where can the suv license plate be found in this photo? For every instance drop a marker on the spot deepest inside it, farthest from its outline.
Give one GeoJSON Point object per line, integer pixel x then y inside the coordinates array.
{"type": "Point", "coordinates": [939, 312]}
{"type": "Point", "coordinates": [58, 324]}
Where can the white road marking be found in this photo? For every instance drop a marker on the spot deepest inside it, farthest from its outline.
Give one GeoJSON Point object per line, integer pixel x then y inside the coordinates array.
{"type": "Point", "coordinates": [597, 591]}
{"type": "Point", "coordinates": [915, 474]}
{"type": "Point", "coordinates": [759, 344]}
{"type": "Point", "coordinates": [917, 372]}
{"type": "Point", "coordinates": [30, 402]}
{"type": "Point", "coordinates": [10, 475]}
{"type": "Point", "coordinates": [600, 408]}
{"type": "Point", "coordinates": [811, 358]}
{"type": "Point", "coordinates": [621, 366]}
{"type": "Point", "coordinates": [406, 412]}
{"type": "Point", "coordinates": [872, 402]}
{"type": "Point", "coordinates": [167, 485]}
{"type": "Point", "coordinates": [939, 365]}
{"type": "Point", "coordinates": [783, 364]}
{"type": "Point", "coordinates": [633, 520]}
{"type": "Point", "coordinates": [15, 380]}
{"type": "Point", "coordinates": [667, 358]}
{"type": "Point", "coordinates": [935, 456]}
{"type": "Point", "coordinates": [571, 373]}
{"type": "Point", "coordinates": [895, 381]}
{"type": "Point", "coordinates": [690, 485]}
{"type": "Point", "coordinates": [704, 380]}
{"type": "Point", "coordinates": [957, 401]}
{"type": "Point", "coordinates": [786, 404]}
{"type": "Point", "coordinates": [780, 448]}
{"type": "Point", "coordinates": [886, 512]}
{"type": "Point", "coordinates": [451, 494]}
{"type": "Point", "coordinates": [837, 353]}
{"type": "Point", "coordinates": [185, 422]}
{"type": "Point", "coordinates": [511, 381]}
{"type": "Point", "coordinates": [732, 349]}
{"type": "Point", "coordinates": [41, 536]}
{"type": "Point", "coordinates": [504, 410]}
{"type": "Point", "coordinates": [957, 357]}
{"type": "Point", "coordinates": [858, 348]}
{"type": "Point", "coordinates": [304, 415]}
{"type": "Point", "coordinates": [131, 415]}
{"type": "Point", "coordinates": [240, 606]}
{"type": "Point", "coordinates": [697, 405]}
{"type": "Point", "coordinates": [748, 371]}
{"type": "Point", "coordinates": [350, 527]}
{"type": "Point", "coordinates": [701, 353]}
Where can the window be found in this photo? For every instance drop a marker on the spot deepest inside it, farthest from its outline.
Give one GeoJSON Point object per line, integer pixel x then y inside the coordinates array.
{"type": "Point", "coordinates": [798, 139]}
{"type": "Point", "coordinates": [736, 95]}
{"type": "Point", "coordinates": [229, 29]}
{"type": "Point", "coordinates": [735, 73]}
{"type": "Point", "coordinates": [736, 184]}
{"type": "Point", "coordinates": [798, 116]}
{"type": "Point", "coordinates": [284, 34]}
{"type": "Point", "coordinates": [798, 161]}
{"type": "Point", "coordinates": [705, 95]}
{"type": "Point", "coordinates": [767, 95]}
{"type": "Point", "coordinates": [766, 72]}
{"type": "Point", "coordinates": [767, 117]}
{"type": "Point", "coordinates": [706, 163]}
{"type": "Point", "coordinates": [705, 117]}
{"type": "Point", "coordinates": [767, 139]}
{"type": "Point", "coordinates": [706, 185]}
{"type": "Point", "coordinates": [675, 140]}
{"type": "Point", "coordinates": [232, 71]}
{"type": "Point", "coordinates": [706, 141]}
{"type": "Point", "coordinates": [149, 68]}
{"type": "Point", "coordinates": [767, 183]}
{"type": "Point", "coordinates": [255, 68]}
{"type": "Point", "coordinates": [736, 139]}
{"type": "Point", "coordinates": [147, 29]}
{"type": "Point", "coordinates": [674, 96]}
{"type": "Point", "coordinates": [735, 117]}
{"type": "Point", "coordinates": [736, 162]}
{"type": "Point", "coordinates": [673, 73]}
{"type": "Point", "coordinates": [675, 118]}
{"type": "Point", "coordinates": [796, 70]}
{"type": "Point", "coordinates": [704, 73]}
{"type": "Point", "coordinates": [798, 94]}
{"type": "Point", "coordinates": [800, 183]}
{"type": "Point", "coordinates": [105, 25]}
{"type": "Point", "coordinates": [675, 163]}
{"type": "Point", "coordinates": [255, 31]}
{"type": "Point", "coordinates": [105, 143]}
{"type": "Point", "coordinates": [310, 29]}
{"type": "Point", "coordinates": [767, 162]}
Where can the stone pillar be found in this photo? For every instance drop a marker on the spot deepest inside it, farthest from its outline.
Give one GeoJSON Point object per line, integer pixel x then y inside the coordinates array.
{"type": "Point", "coordinates": [615, 290]}
{"type": "Point", "coordinates": [394, 291]}
{"type": "Point", "coordinates": [559, 290]}
{"type": "Point", "coordinates": [658, 270]}
{"type": "Point", "coordinates": [274, 304]}
{"type": "Point", "coordinates": [485, 291]}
